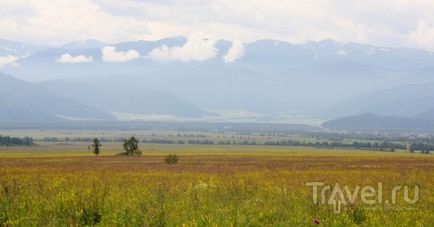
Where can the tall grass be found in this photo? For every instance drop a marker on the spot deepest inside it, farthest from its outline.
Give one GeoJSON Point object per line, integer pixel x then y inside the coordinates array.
{"type": "Point", "coordinates": [101, 193]}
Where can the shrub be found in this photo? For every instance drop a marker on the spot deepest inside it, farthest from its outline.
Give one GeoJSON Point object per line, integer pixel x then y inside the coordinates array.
{"type": "Point", "coordinates": [171, 159]}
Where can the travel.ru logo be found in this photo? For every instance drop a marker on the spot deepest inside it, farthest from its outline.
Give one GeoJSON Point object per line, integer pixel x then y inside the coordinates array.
{"type": "Point", "coordinates": [339, 196]}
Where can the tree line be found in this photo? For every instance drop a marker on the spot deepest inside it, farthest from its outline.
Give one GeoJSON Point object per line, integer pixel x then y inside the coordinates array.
{"type": "Point", "coordinates": [390, 146]}
{"type": "Point", "coordinates": [15, 141]}
{"type": "Point", "coordinates": [380, 146]}
{"type": "Point", "coordinates": [423, 148]}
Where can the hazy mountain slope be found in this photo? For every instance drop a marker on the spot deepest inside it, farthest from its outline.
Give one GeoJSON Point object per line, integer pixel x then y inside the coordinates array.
{"type": "Point", "coordinates": [212, 86]}
{"type": "Point", "coordinates": [21, 100]}
{"type": "Point", "coordinates": [407, 101]}
{"type": "Point", "coordinates": [429, 114]}
{"type": "Point", "coordinates": [124, 96]}
{"type": "Point", "coordinates": [11, 112]}
{"type": "Point", "coordinates": [369, 122]}
{"type": "Point", "coordinates": [305, 89]}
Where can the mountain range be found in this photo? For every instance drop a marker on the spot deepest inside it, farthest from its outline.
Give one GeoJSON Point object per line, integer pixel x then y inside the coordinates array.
{"type": "Point", "coordinates": [38, 62]}
{"type": "Point", "coordinates": [198, 78]}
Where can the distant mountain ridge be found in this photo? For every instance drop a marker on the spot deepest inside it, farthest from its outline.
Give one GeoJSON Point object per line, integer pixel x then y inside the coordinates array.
{"type": "Point", "coordinates": [261, 54]}
{"type": "Point", "coordinates": [372, 122]}
{"type": "Point", "coordinates": [85, 44]}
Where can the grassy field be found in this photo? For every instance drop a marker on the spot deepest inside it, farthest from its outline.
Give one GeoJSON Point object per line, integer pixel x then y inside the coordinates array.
{"type": "Point", "coordinates": [65, 185]}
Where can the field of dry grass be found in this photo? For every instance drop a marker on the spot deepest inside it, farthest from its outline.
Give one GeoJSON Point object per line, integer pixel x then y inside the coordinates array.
{"type": "Point", "coordinates": [64, 184]}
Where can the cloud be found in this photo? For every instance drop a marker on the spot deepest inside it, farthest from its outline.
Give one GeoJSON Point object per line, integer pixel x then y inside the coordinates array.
{"type": "Point", "coordinates": [423, 36]}
{"type": "Point", "coordinates": [380, 22]}
{"type": "Point", "coordinates": [109, 54]}
{"type": "Point", "coordinates": [60, 21]}
{"type": "Point", "coordinates": [69, 59]}
{"type": "Point", "coordinates": [197, 48]}
{"type": "Point", "coordinates": [7, 60]}
{"type": "Point", "coordinates": [235, 52]}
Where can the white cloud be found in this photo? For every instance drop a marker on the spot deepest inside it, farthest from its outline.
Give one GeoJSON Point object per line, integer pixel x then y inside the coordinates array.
{"type": "Point", "coordinates": [8, 59]}
{"type": "Point", "coordinates": [235, 52]}
{"type": "Point", "coordinates": [423, 36]}
{"type": "Point", "coordinates": [380, 22]}
{"type": "Point", "coordinates": [197, 48]}
{"type": "Point", "coordinates": [109, 54]}
{"type": "Point", "coordinates": [60, 21]}
{"type": "Point", "coordinates": [69, 59]}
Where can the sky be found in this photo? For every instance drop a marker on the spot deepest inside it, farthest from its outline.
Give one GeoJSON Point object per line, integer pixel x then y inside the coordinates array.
{"type": "Point", "coordinates": [390, 23]}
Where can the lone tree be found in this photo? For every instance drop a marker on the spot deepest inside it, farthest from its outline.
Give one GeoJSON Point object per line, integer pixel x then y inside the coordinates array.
{"type": "Point", "coordinates": [131, 147]}
{"type": "Point", "coordinates": [96, 146]}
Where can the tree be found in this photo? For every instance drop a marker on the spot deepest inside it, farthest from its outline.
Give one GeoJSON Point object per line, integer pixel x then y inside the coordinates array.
{"type": "Point", "coordinates": [96, 146]}
{"type": "Point", "coordinates": [131, 147]}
